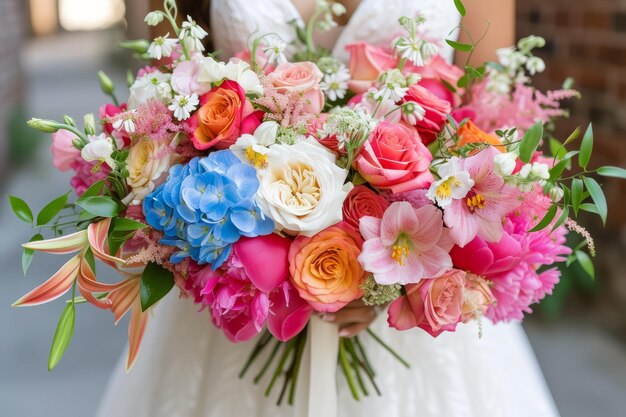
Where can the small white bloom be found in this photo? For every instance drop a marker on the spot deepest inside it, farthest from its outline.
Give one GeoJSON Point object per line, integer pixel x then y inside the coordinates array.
{"type": "Point", "coordinates": [338, 9]}
{"type": "Point", "coordinates": [191, 29]}
{"type": "Point", "coordinates": [99, 149]}
{"type": "Point", "coordinates": [275, 50]}
{"type": "Point", "coordinates": [266, 133]}
{"type": "Point", "coordinates": [525, 171]}
{"type": "Point", "coordinates": [390, 91]}
{"type": "Point", "coordinates": [453, 185]}
{"type": "Point", "coordinates": [413, 112]}
{"type": "Point", "coordinates": [162, 47]}
{"type": "Point", "coordinates": [535, 65]}
{"type": "Point", "coordinates": [154, 85]}
{"type": "Point", "coordinates": [499, 83]}
{"type": "Point", "coordinates": [334, 86]}
{"type": "Point", "coordinates": [125, 123]}
{"type": "Point", "coordinates": [183, 105]}
{"type": "Point", "coordinates": [556, 194]}
{"type": "Point", "coordinates": [153, 18]}
{"type": "Point", "coordinates": [505, 163]}
{"type": "Point", "coordinates": [540, 170]}
{"type": "Point", "coordinates": [418, 51]}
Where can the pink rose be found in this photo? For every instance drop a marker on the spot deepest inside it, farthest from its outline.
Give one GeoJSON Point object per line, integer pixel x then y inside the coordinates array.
{"type": "Point", "coordinates": [360, 202]}
{"type": "Point", "coordinates": [185, 78]}
{"type": "Point", "coordinates": [301, 78]}
{"type": "Point", "coordinates": [436, 112]}
{"type": "Point", "coordinates": [224, 115]}
{"type": "Point", "coordinates": [395, 158]}
{"type": "Point", "coordinates": [434, 305]}
{"type": "Point", "coordinates": [434, 73]}
{"type": "Point", "coordinates": [366, 64]}
{"type": "Point", "coordinates": [63, 151]}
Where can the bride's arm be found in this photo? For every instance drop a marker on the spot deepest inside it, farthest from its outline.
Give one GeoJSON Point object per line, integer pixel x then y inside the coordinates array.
{"type": "Point", "coordinates": [501, 17]}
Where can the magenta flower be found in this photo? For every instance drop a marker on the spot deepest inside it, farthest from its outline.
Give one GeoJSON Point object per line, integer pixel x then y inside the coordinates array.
{"type": "Point", "coordinates": [248, 291]}
{"type": "Point", "coordinates": [406, 245]}
{"type": "Point", "coordinates": [481, 212]}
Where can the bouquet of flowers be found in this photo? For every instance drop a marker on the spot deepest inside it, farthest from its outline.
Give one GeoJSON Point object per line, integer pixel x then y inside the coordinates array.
{"type": "Point", "coordinates": [268, 189]}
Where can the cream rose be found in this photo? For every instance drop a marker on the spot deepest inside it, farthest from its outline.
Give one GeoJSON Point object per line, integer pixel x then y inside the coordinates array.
{"type": "Point", "coordinates": [147, 163]}
{"type": "Point", "coordinates": [302, 189]}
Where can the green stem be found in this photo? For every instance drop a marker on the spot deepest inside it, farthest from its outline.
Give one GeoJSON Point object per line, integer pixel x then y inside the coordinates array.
{"type": "Point", "coordinates": [388, 348]}
{"type": "Point", "coordinates": [281, 365]}
{"type": "Point", "coordinates": [269, 361]}
{"type": "Point", "coordinates": [366, 361]}
{"type": "Point", "coordinates": [310, 45]}
{"type": "Point", "coordinates": [345, 365]}
{"type": "Point", "coordinates": [258, 348]}
{"type": "Point", "coordinates": [356, 365]}
{"type": "Point", "coordinates": [296, 366]}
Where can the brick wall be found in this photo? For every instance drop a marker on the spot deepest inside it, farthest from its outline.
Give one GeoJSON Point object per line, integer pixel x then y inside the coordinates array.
{"type": "Point", "coordinates": [12, 32]}
{"type": "Point", "coordinates": [587, 41]}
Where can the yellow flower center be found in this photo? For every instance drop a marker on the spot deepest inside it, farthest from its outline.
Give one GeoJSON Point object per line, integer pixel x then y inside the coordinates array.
{"type": "Point", "coordinates": [444, 191]}
{"type": "Point", "coordinates": [400, 250]}
{"type": "Point", "coordinates": [474, 202]}
{"type": "Point", "coordinates": [256, 159]}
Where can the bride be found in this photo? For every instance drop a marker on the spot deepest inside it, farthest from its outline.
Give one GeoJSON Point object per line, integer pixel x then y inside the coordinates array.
{"type": "Point", "coordinates": [187, 368]}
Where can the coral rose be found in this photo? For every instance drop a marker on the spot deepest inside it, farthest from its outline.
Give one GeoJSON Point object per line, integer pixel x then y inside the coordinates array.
{"type": "Point", "coordinates": [224, 115]}
{"type": "Point", "coordinates": [434, 305]}
{"type": "Point", "coordinates": [436, 108]}
{"type": "Point", "coordinates": [366, 64]}
{"type": "Point", "coordinates": [395, 158]}
{"type": "Point", "coordinates": [300, 78]}
{"type": "Point", "coordinates": [325, 269]}
{"type": "Point", "coordinates": [360, 202]}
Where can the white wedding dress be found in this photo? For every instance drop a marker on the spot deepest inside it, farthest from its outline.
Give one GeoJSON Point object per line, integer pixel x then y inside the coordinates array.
{"type": "Point", "coordinates": [187, 368]}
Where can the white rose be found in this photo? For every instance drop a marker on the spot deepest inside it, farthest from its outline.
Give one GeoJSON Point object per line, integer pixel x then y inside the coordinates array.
{"type": "Point", "coordinates": [154, 85]}
{"type": "Point", "coordinates": [147, 163]}
{"type": "Point", "coordinates": [302, 189]}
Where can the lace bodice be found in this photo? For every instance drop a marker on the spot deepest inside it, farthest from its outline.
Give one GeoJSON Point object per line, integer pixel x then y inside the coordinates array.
{"type": "Point", "coordinates": [232, 21]}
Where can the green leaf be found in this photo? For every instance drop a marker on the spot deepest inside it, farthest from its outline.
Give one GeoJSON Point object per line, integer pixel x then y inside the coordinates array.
{"type": "Point", "coordinates": [590, 208]}
{"type": "Point", "coordinates": [21, 209]}
{"type": "Point", "coordinates": [530, 142]}
{"type": "Point", "coordinates": [585, 262]}
{"type": "Point", "coordinates": [546, 219]}
{"type": "Point", "coordinates": [463, 47]}
{"type": "Point", "coordinates": [99, 205]}
{"type": "Point", "coordinates": [448, 86]}
{"type": "Point", "coordinates": [156, 282]}
{"type": "Point", "coordinates": [577, 194]}
{"type": "Point", "coordinates": [51, 209]}
{"type": "Point", "coordinates": [575, 134]}
{"type": "Point", "coordinates": [463, 81]}
{"type": "Point", "coordinates": [460, 7]}
{"type": "Point", "coordinates": [86, 216]}
{"type": "Point", "coordinates": [95, 189]}
{"type": "Point", "coordinates": [62, 336]}
{"type": "Point", "coordinates": [557, 170]}
{"type": "Point", "coordinates": [27, 254]}
{"type": "Point", "coordinates": [557, 149]}
{"type": "Point", "coordinates": [585, 148]}
{"type": "Point", "coordinates": [125, 225]}
{"type": "Point", "coordinates": [597, 195]}
{"type": "Point", "coordinates": [562, 218]}
{"type": "Point", "coordinates": [615, 172]}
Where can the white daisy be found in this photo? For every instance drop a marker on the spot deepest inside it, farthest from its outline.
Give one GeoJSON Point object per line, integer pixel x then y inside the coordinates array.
{"type": "Point", "coordinates": [413, 112]}
{"type": "Point", "coordinates": [275, 50]}
{"type": "Point", "coordinates": [335, 85]}
{"type": "Point", "coordinates": [183, 105]}
{"type": "Point", "coordinates": [162, 47]}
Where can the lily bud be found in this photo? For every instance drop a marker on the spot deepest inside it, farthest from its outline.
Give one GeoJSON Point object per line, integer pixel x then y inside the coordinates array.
{"type": "Point", "coordinates": [105, 83]}
{"type": "Point", "coordinates": [90, 124]}
{"type": "Point", "coordinates": [46, 126]}
{"type": "Point", "coordinates": [69, 121]}
{"type": "Point", "coordinates": [556, 194]}
{"type": "Point", "coordinates": [153, 18]}
{"type": "Point", "coordinates": [140, 45]}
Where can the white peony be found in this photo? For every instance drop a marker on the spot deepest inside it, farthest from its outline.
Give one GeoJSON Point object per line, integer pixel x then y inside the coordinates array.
{"type": "Point", "coordinates": [302, 189]}
{"type": "Point", "coordinates": [154, 85]}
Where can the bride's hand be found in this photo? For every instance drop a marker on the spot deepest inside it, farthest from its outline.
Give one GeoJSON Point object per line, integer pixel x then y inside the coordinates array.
{"type": "Point", "coordinates": [353, 318]}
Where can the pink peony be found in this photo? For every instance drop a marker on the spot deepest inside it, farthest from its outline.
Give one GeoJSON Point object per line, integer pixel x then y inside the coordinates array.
{"type": "Point", "coordinates": [406, 245]}
{"type": "Point", "coordinates": [395, 158]}
{"type": "Point", "coordinates": [184, 78]}
{"type": "Point", "coordinates": [481, 212]}
{"type": "Point", "coordinates": [434, 305]}
{"type": "Point", "coordinates": [64, 154]}
{"type": "Point", "coordinates": [247, 292]}
{"type": "Point", "coordinates": [85, 176]}
{"type": "Point", "coordinates": [436, 108]}
{"type": "Point", "coordinates": [366, 64]}
{"type": "Point", "coordinates": [360, 202]}
{"type": "Point", "coordinates": [302, 78]}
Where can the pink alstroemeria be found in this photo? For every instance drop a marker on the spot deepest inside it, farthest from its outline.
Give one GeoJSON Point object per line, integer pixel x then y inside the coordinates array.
{"type": "Point", "coordinates": [406, 245]}
{"type": "Point", "coordinates": [482, 210]}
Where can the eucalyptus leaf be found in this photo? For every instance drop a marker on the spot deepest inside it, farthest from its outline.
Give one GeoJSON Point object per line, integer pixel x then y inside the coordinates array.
{"type": "Point", "coordinates": [62, 336]}
{"type": "Point", "coordinates": [156, 282]}
{"type": "Point", "coordinates": [615, 172]}
{"type": "Point", "coordinates": [586, 263]}
{"type": "Point", "coordinates": [21, 209]}
{"type": "Point", "coordinates": [530, 141]}
{"type": "Point", "coordinates": [27, 254]}
{"type": "Point", "coordinates": [99, 205]}
{"type": "Point", "coordinates": [586, 147]}
{"type": "Point", "coordinates": [51, 209]}
{"type": "Point", "coordinates": [597, 195]}
{"type": "Point", "coordinates": [547, 219]}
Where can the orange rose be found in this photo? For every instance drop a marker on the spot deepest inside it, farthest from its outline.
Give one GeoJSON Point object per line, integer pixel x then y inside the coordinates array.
{"type": "Point", "coordinates": [324, 268]}
{"type": "Point", "coordinates": [470, 133]}
{"type": "Point", "coordinates": [224, 116]}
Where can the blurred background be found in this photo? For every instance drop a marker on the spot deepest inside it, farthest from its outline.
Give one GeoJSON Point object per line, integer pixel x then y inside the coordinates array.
{"type": "Point", "coordinates": [50, 51]}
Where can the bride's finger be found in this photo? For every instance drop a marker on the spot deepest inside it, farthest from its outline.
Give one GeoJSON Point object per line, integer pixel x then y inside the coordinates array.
{"type": "Point", "coordinates": [352, 315]}
{"type": "Point", "coordinates": [353, 329]}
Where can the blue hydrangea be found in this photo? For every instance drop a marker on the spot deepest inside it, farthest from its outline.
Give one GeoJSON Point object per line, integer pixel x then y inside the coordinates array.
{"type": "Point", "coordinates": [205, 206]}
